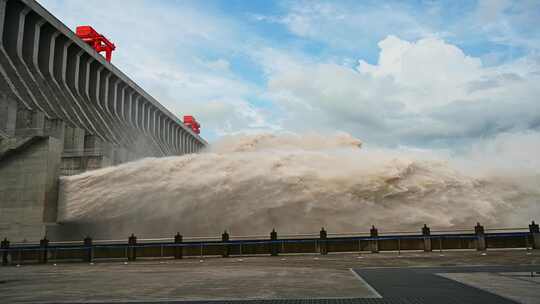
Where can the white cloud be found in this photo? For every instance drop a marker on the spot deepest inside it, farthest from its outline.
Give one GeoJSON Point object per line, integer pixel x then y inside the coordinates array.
{"type": "Point", "coordinates": [338, 24]}
{"type": "Point", "coordinates": [427, 92]}
{"type": "Point", "coordinates": [512, 23]}
{"type": "Point", "coordinates": [422, 90]}
{"type": "Point", "coordinates": [163, 47]}
{"type": "Point", "coordinates": [429, 72]}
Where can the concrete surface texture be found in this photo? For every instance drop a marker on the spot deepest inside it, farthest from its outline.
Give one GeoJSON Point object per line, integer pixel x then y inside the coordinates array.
{"type": "Point", "coordinates": [283, 277]}
{"type": "Point", "coordinates": [65, 110]}
{"type": "Point", "coordinates": [49, 70]}
{"type": "Point", "coordinates": [523, 287]}
{"type": "Point", "coordinates": [28, 189]}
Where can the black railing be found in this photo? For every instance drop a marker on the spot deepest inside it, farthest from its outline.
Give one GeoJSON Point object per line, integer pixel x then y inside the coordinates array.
{"type": "Point", "coordinates": [179, 247]}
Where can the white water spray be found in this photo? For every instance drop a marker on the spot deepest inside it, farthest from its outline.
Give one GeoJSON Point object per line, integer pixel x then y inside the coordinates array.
{"type": "Point", "coordinates": [296, 184]}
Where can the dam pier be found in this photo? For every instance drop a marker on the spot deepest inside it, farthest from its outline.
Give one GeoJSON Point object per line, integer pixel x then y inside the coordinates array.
{"type": "Point", "coordinates": [64, 109]}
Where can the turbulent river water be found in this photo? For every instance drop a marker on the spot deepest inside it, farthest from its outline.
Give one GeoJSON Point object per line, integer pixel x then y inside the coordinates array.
{"type": "Point", "coordinates": [296, 184]}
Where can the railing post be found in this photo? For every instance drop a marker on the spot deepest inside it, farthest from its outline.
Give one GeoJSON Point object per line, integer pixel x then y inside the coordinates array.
{"type": "Point", "coordinates": [274, 246]}
{"type": "Point", "coordinates": [426, 233]}
{"type": "Point", "coordinates": [88, 249]}
{"type": "Point", "coordinates": [480, 237]}
{"type": "Point", "coordinates": [535, 235]}
{"type": "Point", "coordinates": [178, 249]}
{"type": "Point", "coordinates": [132, 252]}
{"type": "Point", "coordinates": [43, 252]}
{"type": "Point", "coordinates": [225, 240]}
{"type": "Point", "coordinates": [5, 246]}
{"type": "Point", "coordinates": [374, 243]}
{"type": "Point", "coordinates": [323, 247]}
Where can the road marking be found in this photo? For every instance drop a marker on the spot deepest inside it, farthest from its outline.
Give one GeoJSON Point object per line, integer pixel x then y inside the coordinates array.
{"type": "Point", "coordinates": [369, 287]}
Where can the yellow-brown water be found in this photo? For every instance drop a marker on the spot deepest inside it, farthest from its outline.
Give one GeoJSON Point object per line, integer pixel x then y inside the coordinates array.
{"type": "Point", "coordinates": [297, 184]}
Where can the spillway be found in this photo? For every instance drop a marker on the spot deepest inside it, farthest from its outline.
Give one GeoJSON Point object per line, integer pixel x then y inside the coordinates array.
{"type": "Point", "coordinates": [296, 184]}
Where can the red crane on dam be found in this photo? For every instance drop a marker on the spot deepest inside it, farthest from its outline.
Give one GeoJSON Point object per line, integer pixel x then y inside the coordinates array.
{"type": "Point", "coordinates": [192, 123]}
{"type": "Point", "coordinates": [97, 41]}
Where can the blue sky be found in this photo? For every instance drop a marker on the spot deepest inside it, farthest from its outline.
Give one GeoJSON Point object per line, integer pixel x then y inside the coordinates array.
{"type": "Point", "coordinates": [404, 73]}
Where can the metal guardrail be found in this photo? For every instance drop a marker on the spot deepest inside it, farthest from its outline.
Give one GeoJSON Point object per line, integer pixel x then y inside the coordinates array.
{"type": "Point", "coordinates": [178, 247]}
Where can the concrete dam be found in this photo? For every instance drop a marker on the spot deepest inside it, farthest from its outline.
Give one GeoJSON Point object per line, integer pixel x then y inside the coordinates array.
{"type": "Point", "coordinates": [64, 110]}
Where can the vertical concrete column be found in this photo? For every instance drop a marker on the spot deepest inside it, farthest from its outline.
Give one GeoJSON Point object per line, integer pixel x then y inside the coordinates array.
{"type": "Point", "coordinates": [144, 114]}
{"type": "Point", "coordinates": [426, 233]}
{"type": "Point", "coordinates": [163, 129]}
{"type": "Point", "coordinates": [106, 154]}
{"type": "Point", "coordinates": [29, 123]}
{"type": "Point", "coordinates": [274, 246]}
{"type": "Point", "coordinates": [74, 139]}
{"type": "Point", "coordinates": [88, 249]}
{"type": "Point", "coordinates": [159, 129]}
{"type": "Point", "coordinates": [170, 137]}
{"type": "Point", "coordinates": [226, 247]}
{"type": "Point", "coordinates": [179, 141]}
{"type": "Point", "coordinates": [188, 143]}
{"type": "Point", "coordinates": [55, 128]}
{"type": "Point", "coordinates": [153, 122]}
{"type": "Point", "coordinates": [174, 134]}
{"type": "Point", "coordinates": [174, 129]}
{"type": "Point", "coordinates": [179, 144]}
{"type": "Point", "coordinates": [145, 117]}
{"type": "Point", "coordinates": [149, 119]}
{"type": "Point", "coordinates": [132, 250]}
{"type": "Point", "coordinates": [155, 127]}
{"type": "Point", "coordinates": [91, 143]}
{"type": "Point", "coordinates": [130, 110]}
{"type": "Point", "coordinates": [480, 237]}
{"type": "Point", "coordinates": [374, 242]}
{"type": "Point", "coordinates": [5, 247]}
{"type": "Point", "coordinates": [168, 126]}
{"type": "Point", "coordinates": [8, 115]}
{"type": "Point", "coordinates": [43, 251]}
{"type": "Point", "coordinates": [323, 243]}
{"type": "Point", "coordinates": [178, 249]}
{"type": "Point", "coordinates": [535, 234]}
{"type": "Point", "coordinates": [135, 112]}
{"type": "Point", "coordinates": [184, 142]}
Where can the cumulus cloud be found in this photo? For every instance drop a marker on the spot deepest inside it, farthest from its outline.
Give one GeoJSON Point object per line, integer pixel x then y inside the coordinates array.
{"type": "Point", "coordinates": [425, 91]}
{"type": "Point", "coordinates": [337, 23]}
{"type": "Point", "coordinates": [508, 22]}
{"type": "Point", "coordinates": [415, 89]}
{"type": "Point", "coordinates": [178, 53]}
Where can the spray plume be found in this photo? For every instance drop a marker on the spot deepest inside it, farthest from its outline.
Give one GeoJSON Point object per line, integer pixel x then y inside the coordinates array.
{"type": "Point", "coordinates": [297, 184]}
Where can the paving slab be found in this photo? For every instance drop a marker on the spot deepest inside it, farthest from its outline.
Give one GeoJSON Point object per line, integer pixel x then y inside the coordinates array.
{"type": "Point", "coordinates": [522, 287]}
{"type": "Point", "coordinates": [165, 282]}
{"type": "Point", "coordinates": [286, 279]}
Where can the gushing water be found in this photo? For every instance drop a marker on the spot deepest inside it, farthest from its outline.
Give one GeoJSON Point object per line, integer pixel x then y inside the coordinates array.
{"type": "Point", "coordinates": [297, 184]}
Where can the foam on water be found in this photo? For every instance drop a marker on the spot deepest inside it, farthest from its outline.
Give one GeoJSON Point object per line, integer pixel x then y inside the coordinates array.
{"type": "Point", "coordinates": [297, 184]}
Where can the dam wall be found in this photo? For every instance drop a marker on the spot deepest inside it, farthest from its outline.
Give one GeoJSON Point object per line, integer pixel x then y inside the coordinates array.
{"type": "Point", "coordinates": [64, 110]}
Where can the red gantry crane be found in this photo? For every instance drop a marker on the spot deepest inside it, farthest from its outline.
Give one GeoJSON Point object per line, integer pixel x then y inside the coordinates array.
{"type": "Point", "coordinates": [96, 40]}
{"type": "Point", "coordinates": [191, 123]}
